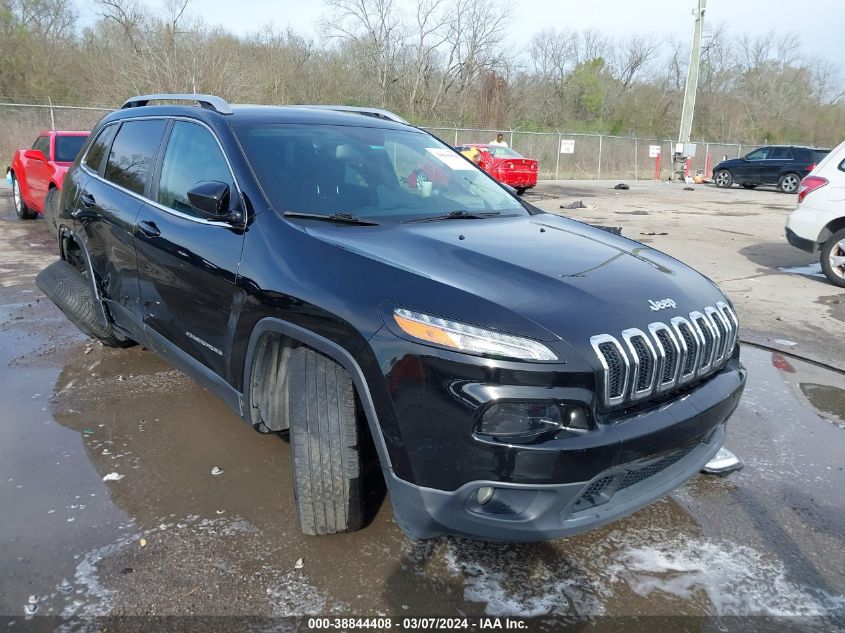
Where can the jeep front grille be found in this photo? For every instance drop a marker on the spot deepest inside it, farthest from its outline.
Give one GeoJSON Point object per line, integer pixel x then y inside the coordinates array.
{"type": "Point", "coordinates": [668, 356]}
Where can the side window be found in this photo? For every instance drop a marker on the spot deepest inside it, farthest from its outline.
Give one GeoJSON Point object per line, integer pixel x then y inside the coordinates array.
{"type": "Point", "coordinates": [781, 153]}
{"type": "Point", "coordinates": [133, 153]}
{"type": "Point", "coordinates": [758, 154]}
{"type": "Point", "coordinates": [98, 149]}
{"type": "Point", "coordinates": [42, 143]}
{"type": "Point", "coordinates": [192, 156]}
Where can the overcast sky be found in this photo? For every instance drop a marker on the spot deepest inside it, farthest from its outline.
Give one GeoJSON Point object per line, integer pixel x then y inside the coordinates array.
{"type": "Point", "coordinates": [820, 24]}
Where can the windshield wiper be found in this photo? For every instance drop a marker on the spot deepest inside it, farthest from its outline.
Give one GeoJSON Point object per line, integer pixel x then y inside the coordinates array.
{"type": "Point", "coordinates": [346, 218]}
{"type": "Point", "coordinates": [460, 214]}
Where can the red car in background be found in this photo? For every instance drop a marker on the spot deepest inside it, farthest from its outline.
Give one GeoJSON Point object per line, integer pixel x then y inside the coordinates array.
{"type": "Point", "coordinates": [37, 172]}
{"type": "Point", "coordinates": [504, 164]}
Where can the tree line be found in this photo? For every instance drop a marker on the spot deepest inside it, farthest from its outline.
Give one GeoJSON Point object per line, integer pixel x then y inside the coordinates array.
{"type": "Point", "coordinates": [444, 62]}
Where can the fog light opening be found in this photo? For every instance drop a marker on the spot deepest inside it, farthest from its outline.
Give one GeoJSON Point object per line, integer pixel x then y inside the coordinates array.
{"type": "Point", "coordinates": [484, 495]}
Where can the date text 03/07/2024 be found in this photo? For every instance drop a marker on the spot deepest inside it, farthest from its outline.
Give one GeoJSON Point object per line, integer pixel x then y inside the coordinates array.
{"type": "Point", "coordinates": [417, 623]}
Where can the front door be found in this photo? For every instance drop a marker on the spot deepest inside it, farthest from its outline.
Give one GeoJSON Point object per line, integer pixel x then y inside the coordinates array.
{"type": "Point", "coordinates": [188, 260]}
{"type": "Point", "coordinates": [752, 165]}
{"type": "Point", "coordinates": [38, 173]}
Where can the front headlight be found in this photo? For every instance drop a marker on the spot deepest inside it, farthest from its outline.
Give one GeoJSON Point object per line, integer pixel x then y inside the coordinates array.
{"type": "Point", "coordinates": [469, 338]}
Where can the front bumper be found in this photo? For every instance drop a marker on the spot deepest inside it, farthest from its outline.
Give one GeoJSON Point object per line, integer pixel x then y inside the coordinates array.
{"type": "Point", "coordinates": [525, 513]}
{"type": "Point", "coordinates": [628, 463]}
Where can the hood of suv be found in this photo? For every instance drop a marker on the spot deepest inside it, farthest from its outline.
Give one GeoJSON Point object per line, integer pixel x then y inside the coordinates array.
{"type": "Point", "coordinates": [572, 279]}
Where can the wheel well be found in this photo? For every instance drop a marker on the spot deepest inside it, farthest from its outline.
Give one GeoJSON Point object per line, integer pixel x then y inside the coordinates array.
{"type": "Point", "coordinates": [268, 389]}
{"type": "Point", "coordinates": [295, 336]}
{"type": "Point", "coordinates": [832, 227]}
{"type": "Point", "coordinates": [268, 380]}
{"type": "Point", "coordinates": [72, 253]}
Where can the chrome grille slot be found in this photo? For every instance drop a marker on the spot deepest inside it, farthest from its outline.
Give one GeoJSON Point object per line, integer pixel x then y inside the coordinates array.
{"type": "Point", "coordinates": [707, 337]}
{"type": "Point", "coordinates": [690, 347]}
{"type": "Point", "coordinates": [615, 363]}
{"type": "Point", "coordinates": [729, 315]}
{"type": "Point", "coordinates": [720, 325]}
{"type": "Point", "coordinates": [667, 356]}
{"type": "Point", "coordinates": [644, 361]}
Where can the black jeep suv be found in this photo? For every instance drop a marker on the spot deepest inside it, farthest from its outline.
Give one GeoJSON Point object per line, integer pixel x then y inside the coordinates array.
{"type": "Point", "coordinates": [781, 165]}
{"type": "Point", "coordinates": [516, 374]}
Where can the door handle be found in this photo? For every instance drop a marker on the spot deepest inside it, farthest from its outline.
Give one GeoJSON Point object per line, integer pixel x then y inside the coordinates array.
{"type": "Point", "coordinates": [87, 200]}
{"type": "Point", "coordinates": [149, 228]}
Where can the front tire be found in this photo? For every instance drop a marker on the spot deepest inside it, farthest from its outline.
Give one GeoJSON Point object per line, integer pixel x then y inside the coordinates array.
{"type": "Point", "coordinates": [22, 211]}
{"type": "Point", "coordinates": [325, 445]}
{"type": "Point", "coordinates": [833, 258]}
{"type": "Point", "coordinates": [723, 179]}
{"type": "Point", "coordinates": [788, 183]}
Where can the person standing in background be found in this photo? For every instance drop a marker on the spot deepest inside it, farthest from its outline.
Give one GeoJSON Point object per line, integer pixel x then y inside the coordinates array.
{"type": "Point", "coordinates": [500, 141]}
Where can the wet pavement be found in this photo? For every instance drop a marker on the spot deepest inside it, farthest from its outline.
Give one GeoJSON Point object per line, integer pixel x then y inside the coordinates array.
{"type": "Point", "coordinates": [108, 504]}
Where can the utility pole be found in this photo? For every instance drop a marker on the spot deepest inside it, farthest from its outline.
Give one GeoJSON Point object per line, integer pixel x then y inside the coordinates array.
{"type": "Point", "coordinates": [689, 92]}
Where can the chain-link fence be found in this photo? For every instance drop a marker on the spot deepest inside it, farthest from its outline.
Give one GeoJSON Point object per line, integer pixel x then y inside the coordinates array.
{"type": "Point", "coordinates": [564, 156]}
{"type": "Point", "coordinates": [561, 156]}
{"type": "Point", "coordinates": [20, 123]}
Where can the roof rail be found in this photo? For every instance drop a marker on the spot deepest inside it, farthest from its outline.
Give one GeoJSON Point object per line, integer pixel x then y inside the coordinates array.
{"type": "Point", "coordinates": [377, 113]}
{"type": "Point", "coordinates": [210, 102]}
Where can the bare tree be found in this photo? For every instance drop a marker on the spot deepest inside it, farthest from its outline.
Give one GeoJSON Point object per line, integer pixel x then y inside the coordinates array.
{"type": "Point", "coordinates": [373, 28]}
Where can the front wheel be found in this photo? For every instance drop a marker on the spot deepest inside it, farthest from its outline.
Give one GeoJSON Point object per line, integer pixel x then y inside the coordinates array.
{"type": "Point", "coordinates": [22, 211]}
{"type": "Point", "coordinates": [325, 443]}
{"type": "Point", "coordinates": [788, 183]}
{"type": "Point", "coordinates": [833, 258]}
{"type": "Point", "coordinates": [723, 178]}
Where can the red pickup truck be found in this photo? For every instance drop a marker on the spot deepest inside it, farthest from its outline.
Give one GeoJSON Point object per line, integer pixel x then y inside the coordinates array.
{"type": "Point", "coordinates": [37, 172]}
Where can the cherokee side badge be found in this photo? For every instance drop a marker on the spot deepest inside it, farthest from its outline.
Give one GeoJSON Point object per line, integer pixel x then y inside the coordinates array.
{"type": "Point", "coordinates": [662, 304]}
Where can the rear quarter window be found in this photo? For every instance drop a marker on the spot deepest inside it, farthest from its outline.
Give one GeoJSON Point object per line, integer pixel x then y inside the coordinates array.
{"type": "Point", "coordinates": [133, 154]}
{"type": "Point", "coordinates": [98, 149]}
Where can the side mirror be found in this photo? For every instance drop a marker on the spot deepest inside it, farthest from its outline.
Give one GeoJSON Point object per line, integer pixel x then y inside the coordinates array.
{"type": "Point", "coordinates": [35, 154]}
{"type": "Point", "coordinates": [210, 197]}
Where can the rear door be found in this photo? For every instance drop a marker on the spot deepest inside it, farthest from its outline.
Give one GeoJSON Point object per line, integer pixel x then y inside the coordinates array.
{"type": "Point", "coordinates": [120, 162]}
{"type": "Point", "coordinates": [772, 168]}
{"type": "Point", "coordinates": [188, 260]}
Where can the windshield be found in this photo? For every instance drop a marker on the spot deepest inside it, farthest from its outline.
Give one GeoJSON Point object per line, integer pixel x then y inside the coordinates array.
{"type": "Point", "coordinates": [67, 147]}
{"type": "Point", "coordinates": [504, 152]}
{"type": "Point", "coordinates": [373, 173]}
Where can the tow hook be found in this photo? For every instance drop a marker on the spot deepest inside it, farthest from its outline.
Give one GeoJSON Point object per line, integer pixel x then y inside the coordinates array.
{"type": "Point", "coordinates": [723, 463]}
